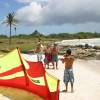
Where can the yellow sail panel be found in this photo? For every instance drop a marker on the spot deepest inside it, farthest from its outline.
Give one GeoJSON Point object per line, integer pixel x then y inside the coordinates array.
{"type": "Point", "coordinates": [9, 61]}
{"type": "Point", "coordinates": [26, 65]}
{"type": "Point", "coordinates": [52, 82]}
{"type": "Point", "coordinates": [18, 74]}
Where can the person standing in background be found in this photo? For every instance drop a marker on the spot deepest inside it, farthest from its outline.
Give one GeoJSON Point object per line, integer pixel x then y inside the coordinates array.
{"type": "Point", "coordinates": [54, 53]}
{"type": "Point", "coordinates": [39, 51]}
{"type": "Point", "coordinates": [48, 56]}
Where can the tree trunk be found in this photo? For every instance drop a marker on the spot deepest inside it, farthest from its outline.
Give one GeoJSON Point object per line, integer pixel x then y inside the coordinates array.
{"type": "Point", "coordinates": [10, 36]}
{"type": "Point", "coordinates": [15, 30]}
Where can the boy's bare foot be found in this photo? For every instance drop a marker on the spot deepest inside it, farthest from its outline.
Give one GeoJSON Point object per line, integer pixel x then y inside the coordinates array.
{"type": "Point", "coordinates": [72, 91]}
{"type": "Point", "coordinates": [64, 90]}
{"type": "Point", "coordinates": [56, 68]}
{"type": "Point", "coordinates": [47, 67]}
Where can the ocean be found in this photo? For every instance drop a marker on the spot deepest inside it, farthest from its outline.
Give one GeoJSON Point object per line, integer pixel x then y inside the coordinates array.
{"type": "Point", "coordinates": [92, 42]}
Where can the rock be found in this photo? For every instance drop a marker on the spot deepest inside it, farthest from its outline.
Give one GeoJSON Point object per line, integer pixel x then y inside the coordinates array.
{"type": "Point", "coordinates": [96, 47]}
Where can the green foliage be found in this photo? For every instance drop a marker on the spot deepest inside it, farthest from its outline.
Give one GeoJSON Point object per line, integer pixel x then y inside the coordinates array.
{"type": "Point", "coordinates": [80, 35]}
{"type": "Point", "coordinates": [29, 42]}
{"type": "Point", "coordinates": [36, 34]}
{"type": "Point", "coordinates": [10, 21]}
{"type": "Point", "coordinates": [3, 36]}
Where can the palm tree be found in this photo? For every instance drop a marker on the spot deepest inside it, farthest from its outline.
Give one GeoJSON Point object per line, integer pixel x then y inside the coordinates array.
{"type": "Point", "coordinates": [10, 21]}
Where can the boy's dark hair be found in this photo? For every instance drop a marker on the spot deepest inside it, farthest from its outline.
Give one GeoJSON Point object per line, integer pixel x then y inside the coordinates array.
{"type": "Point", "coordinates": [68, 51]}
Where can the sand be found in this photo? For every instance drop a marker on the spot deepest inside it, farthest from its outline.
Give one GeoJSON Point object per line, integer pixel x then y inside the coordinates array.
{"type": "Point", "coordinates": [87, 80]}
{"type": "Point", "coordinates": [2, 97]}
{"type": "Point", "coordinates": [8, 93]}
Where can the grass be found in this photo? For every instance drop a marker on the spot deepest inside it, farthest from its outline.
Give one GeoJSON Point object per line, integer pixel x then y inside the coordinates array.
{"type": "Point", "coordinates": [23, 43]}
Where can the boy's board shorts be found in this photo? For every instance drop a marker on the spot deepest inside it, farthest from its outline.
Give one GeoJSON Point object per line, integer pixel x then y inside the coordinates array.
{"type": "Point", "coordinates": [48, 58]}
{"type": "Point", "coordinates": [68, 76]}
{"type": "Point", "coordinates": [54, 58]}
{"type": "Point", "coordinates": [39, 57]}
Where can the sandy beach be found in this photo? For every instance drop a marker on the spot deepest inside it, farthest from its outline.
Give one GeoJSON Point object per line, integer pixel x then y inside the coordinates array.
{"type": "Point", "coordinates": [87, 80]}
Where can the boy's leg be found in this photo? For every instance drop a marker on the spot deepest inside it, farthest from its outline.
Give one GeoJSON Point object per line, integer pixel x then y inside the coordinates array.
{"type": "Point", "coordinates": [53, 61]}
{"type": "Point", "coordinates": [48, 64]}
{"type": "Point", "coordinates": [71, 80]}
{"type": "Point", "coordinates": [53, 64]}
{"type": "Point", "coordinates": [72, 87]}
{"type": "Point", "coordinates": [56, 61]}
{"type": "Point", "coordinates": [66, 88]}
{"type": "Point", "coordinates": [56, 64]}
{"type": "Point", "coordinates": [45, 62]}
{"type": "Point", "coordinates": [37, 57]}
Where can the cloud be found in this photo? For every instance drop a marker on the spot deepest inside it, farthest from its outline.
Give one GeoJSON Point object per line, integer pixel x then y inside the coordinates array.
{"type": "Point", "coordinates": [58, 12]}
{"type": "Point", "coordinates": [29, 14]}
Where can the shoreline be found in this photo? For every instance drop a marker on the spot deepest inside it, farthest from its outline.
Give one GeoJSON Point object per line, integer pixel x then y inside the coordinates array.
{"type": "Point", "coordinates": [73, 42]}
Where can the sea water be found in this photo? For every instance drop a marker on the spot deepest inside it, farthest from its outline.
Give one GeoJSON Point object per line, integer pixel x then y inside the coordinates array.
{"type": "Point", "coordinates": [92, 42]}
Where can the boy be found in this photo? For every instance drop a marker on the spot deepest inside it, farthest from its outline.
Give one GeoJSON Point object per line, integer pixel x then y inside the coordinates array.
{"type": "Point", "coordinates": [39, 51]}
{"type": "Point", "coordinates": [54, 53]}
{"type": "Point", "coordinates": [68, 72]}
{"type": "Point", "coordinates": [48, 56]}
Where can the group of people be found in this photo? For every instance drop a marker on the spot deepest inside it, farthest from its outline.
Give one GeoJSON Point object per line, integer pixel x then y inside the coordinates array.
{"type": "Point", "coordinates": [51, 55]}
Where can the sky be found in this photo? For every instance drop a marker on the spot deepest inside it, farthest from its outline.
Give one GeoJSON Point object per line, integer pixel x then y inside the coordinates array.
{"type": "Point", "coordinates": [51, 16]}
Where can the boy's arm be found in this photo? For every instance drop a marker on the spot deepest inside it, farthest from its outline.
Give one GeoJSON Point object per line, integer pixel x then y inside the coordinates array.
{"type": "Point", "coordinates": [62, 59]}
{"type": "Point", "coordinates": [36, 50]}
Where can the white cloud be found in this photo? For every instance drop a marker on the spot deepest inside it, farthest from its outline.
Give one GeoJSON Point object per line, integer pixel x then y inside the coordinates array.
{"type": "Point", "coordinates": [57, 12]}
{"type": "Point", "coordinates": [30, 14]}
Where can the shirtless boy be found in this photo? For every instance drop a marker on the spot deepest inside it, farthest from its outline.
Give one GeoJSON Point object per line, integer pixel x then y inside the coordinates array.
{"type": "Point", "coordinates": [68, 72]}
{"type": "Point", "coordinates": [55, 52]}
